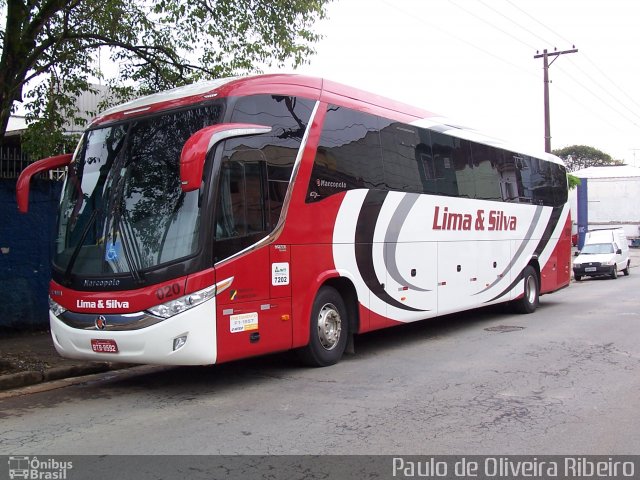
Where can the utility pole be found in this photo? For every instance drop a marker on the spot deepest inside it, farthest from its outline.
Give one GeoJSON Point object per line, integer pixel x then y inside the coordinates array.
{"type": "Point", "coordinates": [547, 123]}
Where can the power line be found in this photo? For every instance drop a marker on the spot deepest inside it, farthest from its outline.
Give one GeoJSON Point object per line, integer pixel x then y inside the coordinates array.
{"type": "Point", "coordinates": [422, 21]}
{"type": "Point", "coordinates": [598, 97]}
{"type": "Point", "coordinates": [538, 22]}
{"type": "Point", "coordinates": [514, 22]}
{"type": "Point", "coordinates": [611, 105]}
{"type": "Point", "coordinates": [612, 82]}
{"type": "Point", "coordinates": [489, 23]}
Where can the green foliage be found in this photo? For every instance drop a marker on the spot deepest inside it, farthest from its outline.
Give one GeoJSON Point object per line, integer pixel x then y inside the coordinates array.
{"type": "Point", "coordinates": [577, 157]}
{"type": "Point", "coordinates": [573, 181]}
{"type": "Point", "coordinates": [50, 45]}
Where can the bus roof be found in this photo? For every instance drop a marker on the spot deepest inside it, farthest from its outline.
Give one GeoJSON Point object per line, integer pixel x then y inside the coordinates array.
{"type": "Point", "coordinates": [310, 87]}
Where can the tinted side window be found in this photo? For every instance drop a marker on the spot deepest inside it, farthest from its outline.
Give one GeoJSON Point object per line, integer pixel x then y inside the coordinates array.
{"type": "Point", "coordinates": [288, 117]}
{"type": "Point", "coordinates": [348, 155]}
{"type": "Point", "coordinates": [486, 174]}
{"type": "Point", "coordinates": [540, 183]}
{"type": "Point", "coordinates": [241, 209]}
{"type": "Point", "coordinates": [452, 162]}
{"type": "Point", "coordinates": [404, 163]}
{"type": "Point", "coordinates": [511, 183]}
{"type": "Point", "coordinates": [559, 181]}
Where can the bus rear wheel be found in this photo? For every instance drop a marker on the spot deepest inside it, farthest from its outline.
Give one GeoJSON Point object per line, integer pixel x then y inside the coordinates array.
{"type": "Point", "coordinates": [529, 301]}
{"type": "Point", "coordinates": [329, 329]}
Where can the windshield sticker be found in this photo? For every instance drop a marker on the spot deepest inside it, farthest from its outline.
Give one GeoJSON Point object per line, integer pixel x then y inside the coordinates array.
{"type": "Point", "coordinates": [280, 274]}
{"type": "Point", "coordinates": [112, 252]}
{"type": "Point", "coordinates": [245, 322]}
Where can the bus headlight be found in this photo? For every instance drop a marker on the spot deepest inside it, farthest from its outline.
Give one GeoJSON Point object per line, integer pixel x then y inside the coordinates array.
{"type": "Point", "coordinates": [182, 304]}
{"type": "Point", "coordinates": [56, 308]}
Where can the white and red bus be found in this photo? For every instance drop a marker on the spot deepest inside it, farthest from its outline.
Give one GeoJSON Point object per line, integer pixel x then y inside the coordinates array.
{"type": "Point", "coordinates": [244, 216]}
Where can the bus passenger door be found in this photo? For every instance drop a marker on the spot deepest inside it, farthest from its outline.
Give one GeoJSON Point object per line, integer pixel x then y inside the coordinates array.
{"type": "Point", "coordinates": [249, 321]}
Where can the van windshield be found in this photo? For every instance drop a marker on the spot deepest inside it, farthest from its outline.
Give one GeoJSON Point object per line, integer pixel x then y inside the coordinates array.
{"type": "Point", "coordinates": [596, 248]}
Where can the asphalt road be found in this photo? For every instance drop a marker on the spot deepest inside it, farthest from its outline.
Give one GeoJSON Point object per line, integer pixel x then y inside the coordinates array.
{"type": "Point", "coordinates": [565, 380]}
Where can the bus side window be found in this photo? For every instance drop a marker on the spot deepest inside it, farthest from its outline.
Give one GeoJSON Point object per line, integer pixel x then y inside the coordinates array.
{"type": "Point", "coordinates": [403, 168]}
{"type": "Point", "coordinates": [442, 147]}
{"type": "Point", "coordinates": [241, 207]}
{"type": "Point", "coordinates": [348, 156]}
{"type": "Point", "coordinates": [559, 182]}
{"type": "Point", "coordinates": [510, 179]}
{"type": "Point", "coordinates": [288, 116]}
{"type": "Point", "coordinates": [490, 182]}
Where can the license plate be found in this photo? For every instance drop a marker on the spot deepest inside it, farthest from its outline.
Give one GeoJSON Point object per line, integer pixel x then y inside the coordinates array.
{"type": "Point", "coordinates": [104, 346]}
{"type": "Point", "coordinates": [590, 269]}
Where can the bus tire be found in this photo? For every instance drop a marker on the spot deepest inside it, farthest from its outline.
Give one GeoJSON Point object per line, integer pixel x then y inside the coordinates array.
{"type": "Point", "coordinates": [529, 301]}
{"type": "Point", "coordinates": [329, 329]}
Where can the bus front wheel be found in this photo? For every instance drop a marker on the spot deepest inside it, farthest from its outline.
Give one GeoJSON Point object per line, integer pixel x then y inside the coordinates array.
{"type": "Point", "coordinates": [329, 329]}
{"type": "Point", "coordinates": [529, 300]}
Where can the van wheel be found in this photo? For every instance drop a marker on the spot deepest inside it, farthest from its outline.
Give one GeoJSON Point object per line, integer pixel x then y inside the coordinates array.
{"type": "Point", "coordinates": [577, 277]}
{"type": "Point", "coordinates": [626, 270]}
{"type": "Point", "coordinates": [614, 273]}
{"type": "Point", "coordinates": [529, 301]}
{"type": "Point", "coordinates": [329, 329]}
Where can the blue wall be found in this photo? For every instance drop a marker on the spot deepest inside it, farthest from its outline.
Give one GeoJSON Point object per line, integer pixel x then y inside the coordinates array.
{"type": "Point", "coordinates": [26, 242]}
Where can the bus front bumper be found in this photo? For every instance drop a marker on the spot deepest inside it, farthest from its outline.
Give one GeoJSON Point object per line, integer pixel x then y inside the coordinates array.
{"type": "Point", "coordinates": [188, 338]}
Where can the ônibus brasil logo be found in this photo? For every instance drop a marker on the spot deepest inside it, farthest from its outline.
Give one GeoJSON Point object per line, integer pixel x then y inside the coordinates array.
{"type": "Point", "coordinates": [33, 468]}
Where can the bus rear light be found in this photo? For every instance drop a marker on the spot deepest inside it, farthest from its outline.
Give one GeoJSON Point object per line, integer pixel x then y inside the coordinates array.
{"type": "Point", "coordinates": [179, 342]}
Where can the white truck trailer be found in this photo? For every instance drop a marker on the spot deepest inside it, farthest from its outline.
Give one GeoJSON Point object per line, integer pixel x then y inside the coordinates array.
{"type": "Point", "coordinates": [613, 199]}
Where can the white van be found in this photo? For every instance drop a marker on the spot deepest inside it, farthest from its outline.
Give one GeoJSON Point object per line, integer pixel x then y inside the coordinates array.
{"type": "Point", "coordinates": [605, 252]}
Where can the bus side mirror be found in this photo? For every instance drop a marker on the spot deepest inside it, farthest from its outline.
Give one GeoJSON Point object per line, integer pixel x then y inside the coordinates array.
{"type": "Point", "coordinates": [24, 180]}
{"type": "Point", "coordinates": [195, 150]}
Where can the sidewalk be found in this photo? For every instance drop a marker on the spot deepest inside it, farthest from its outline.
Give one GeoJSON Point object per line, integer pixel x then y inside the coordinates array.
{"type": "Point", "coordinates": [30, 358]}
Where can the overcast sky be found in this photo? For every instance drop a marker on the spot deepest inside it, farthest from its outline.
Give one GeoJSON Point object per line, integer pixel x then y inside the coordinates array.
{"type": "Point", "coordinates": [472, 60]}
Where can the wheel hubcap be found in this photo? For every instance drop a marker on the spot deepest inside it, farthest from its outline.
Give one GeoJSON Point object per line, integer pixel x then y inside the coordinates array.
{"type": "Point", "coordinates": [329, 326]}
{"type": "Point", "coordinates": [530, 289]}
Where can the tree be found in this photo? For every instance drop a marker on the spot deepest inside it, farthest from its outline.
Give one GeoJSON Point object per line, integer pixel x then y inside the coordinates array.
{"type": "Point", "coordinates": [573, 181]}
{"type": "Point", "coordinates": [577, 157]}
{"type": "Point", "coordinates": [49, 46]}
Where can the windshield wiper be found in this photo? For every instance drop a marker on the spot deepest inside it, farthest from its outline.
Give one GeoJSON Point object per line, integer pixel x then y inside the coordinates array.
{"type": "Point", "coordinates": [66, 279]}
{"type": "Point", "coordinates": [129, 246]}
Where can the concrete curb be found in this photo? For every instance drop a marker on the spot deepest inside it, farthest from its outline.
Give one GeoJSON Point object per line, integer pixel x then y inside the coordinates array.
{"type": "Point", "coordinates": [24, 379]}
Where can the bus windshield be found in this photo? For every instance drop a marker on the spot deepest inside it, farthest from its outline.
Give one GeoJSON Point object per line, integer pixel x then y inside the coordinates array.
{"type": "Point", "coordinates": [122, 209]}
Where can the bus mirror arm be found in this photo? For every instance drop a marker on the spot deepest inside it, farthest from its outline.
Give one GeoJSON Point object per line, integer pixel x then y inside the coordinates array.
{"type": "Point", "coordinates": [197, 147]}
{"type": "Point", "coordinates": [24, 180]}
